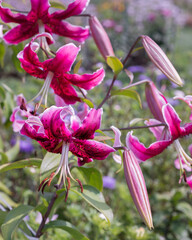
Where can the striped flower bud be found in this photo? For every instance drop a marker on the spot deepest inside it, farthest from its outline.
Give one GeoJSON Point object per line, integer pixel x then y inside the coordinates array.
{"type": "Point", "coordinates": [137, 187]}
{"type": "Point", "coordinates": [159, 58]}
{"type": "Point", "coordinates": [155, 101]}
{"type": "Point", "coordinates": [100, 37]}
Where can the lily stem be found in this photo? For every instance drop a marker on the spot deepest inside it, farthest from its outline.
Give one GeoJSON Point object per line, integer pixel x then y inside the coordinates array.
{"type": "Point", "coordinates": [107, 96]}
{"type": "Point", "coordinates": [46, 215]}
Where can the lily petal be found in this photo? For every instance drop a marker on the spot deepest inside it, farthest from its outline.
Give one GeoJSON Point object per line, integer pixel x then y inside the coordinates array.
{"type": "Point", "coordinates": [8, 16]}
{"type": "Point", "coordinates": [143, 153]}
{"type": "Point", "coordinates": [89, 125]}
{"type": "Point", "coordinates": [40, 7]}
{"type": "Point", "coordinates": [86, 81]}
{"type": "Point", "coordinates": [66, 29]}
{"type": "Point", "coordinates": [74, 8]}
{"type": "Point", "coordinates": [90, 149]}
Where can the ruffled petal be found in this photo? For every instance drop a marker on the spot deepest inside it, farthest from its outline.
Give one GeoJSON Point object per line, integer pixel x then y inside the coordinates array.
{"type": "Point", "coordinates": [90, 149]}
{"type": "Point", "coordinates": [82, 161]}
{"type": "Point", "coordinates": [117, 132]}
{"type": "Point", "coordinates": [8, 16]}
{"type": "Point", "coordinates": [89, 125]}
{"type": "Point", "coordinates": [173, 121]}
{"type": "Point", "coordinates": [86, 81]}
{"type": "Point", "coordinates": [66, 29]}
{"type": "Point", "coordinates": [189, 181]}
{"type": "Point", "coordinates": [20, 33]}
{"type": "Point", "coordinates": [75, 8]}
{"type": "Point", "coordinates": [143, 153]}
{"type": "Point", "coordinates": [56, 122]}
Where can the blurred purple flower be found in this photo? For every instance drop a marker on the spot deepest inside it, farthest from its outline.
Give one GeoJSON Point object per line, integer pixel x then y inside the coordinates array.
{"type": "Point", "coordinates": [117, 83]}
{"type": "Point", "coordinates": [25, 144]}
{"type": "Point", "coordinates": [109, 182]}
{"type": "Point", "coordinates": [108, 23]}
{"type": "Point", "coordinates": [136, 68]}
{"type": "Point", "coordinates": [144, 77]}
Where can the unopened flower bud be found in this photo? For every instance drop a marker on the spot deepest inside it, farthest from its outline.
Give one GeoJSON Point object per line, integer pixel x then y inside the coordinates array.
{"type": "Point", "coordinates": [137, 187]}
{"type": "Point", "coordinates": [100, 37]}
{"type": "Point", "coordinates": [155, 101]}
{"type": "Point", "coordinates": [159, 58]}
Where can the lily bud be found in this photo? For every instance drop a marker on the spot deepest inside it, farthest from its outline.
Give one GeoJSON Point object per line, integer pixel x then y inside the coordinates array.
{"type": "Point", "coordinates": [100, 37]}
{"type": "Point", "coordinates": [159, 58]}
{"type": "Point", "coordinates": [137, 187]}
{"type": "Point", "coordinates": [155, 101]}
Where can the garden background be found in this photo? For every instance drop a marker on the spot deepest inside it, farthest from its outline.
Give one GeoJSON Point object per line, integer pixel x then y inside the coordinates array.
{"type": "Point", "coordinates": [169, 23]}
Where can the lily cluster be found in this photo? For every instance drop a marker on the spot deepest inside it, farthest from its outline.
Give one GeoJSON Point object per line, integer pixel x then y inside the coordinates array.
{"type": "Point", "coordinates": [166, 135]}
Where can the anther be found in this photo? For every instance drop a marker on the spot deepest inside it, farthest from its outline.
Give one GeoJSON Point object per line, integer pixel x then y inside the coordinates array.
{"type": "Point", "coordinates": [80, 184]}
{"type": "Point", "coordinates": [42, 183]}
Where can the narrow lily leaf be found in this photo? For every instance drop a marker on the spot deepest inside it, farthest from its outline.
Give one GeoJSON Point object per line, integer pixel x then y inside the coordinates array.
{"type": "Point", "coordinates": [15, 60]}
{"type": "Point", "coordinates": [128, 93]}
{"type": "Point", "coordinates": [186, 209]}
{"type": "Point", "coordinates": [2, 218]}
{"type": "Point", "coordinates": [135, 121]}
{"type": "Point", "coordinates": [5, 200]}
{"type": "Point", "coordinates": [130, 75]}
{"type": "Point", "coordinates": [57, 4]}
{"type": "Point", "coordinates": [115, 64]}
{"type": "Point", "coordinates": [92, 176]}
{"type": "Point", "coordinates": [137, 49]}
{"type": "Point", "coordinates": [77, 66]}
{"type": "Point", "coordinates": [13, 152]}
{"type": "Point", "coordinates": [96, 199]}
{"type": "Point", "coordinates": [102, 138]}
{"type": "Point", "coordinates": [49, 164]}
{"type": "Point", "coordinates": [2, 94]}
{"type": "Point", "coordinates": [88, 102]}
{"type": "Point", "coordinates": [13, 219]}
{"type": "Point", "coordinates": [3, 158]}
{"type": "Point", "coordinates": [29, 162]}
{"type": "Point", "coordinates": [66, 226]}
{"type": "Point", "coordinates": [2, 54]}
{"type": "Point", "coordinates": [4, 188]}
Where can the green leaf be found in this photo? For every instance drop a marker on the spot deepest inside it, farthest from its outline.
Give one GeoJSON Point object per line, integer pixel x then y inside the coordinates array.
{"type": "Point", "coordinates": [77, 66]}
{"type": "Point", "coordinates": [6, 201]}
{"type": "Point", "coordinates": [2, 217]}
{"type": "Point", "coordinates": [2, 54]}
{"type": "Point", "coordinates": [128, 93]}
{"type": "Point", "coordinates": [115, 64]}
{"type": "Point", "coordinates": [96, 199]}
{"type": "Point", "coordinates": [88, 102]}
{"type": "Point", "coordinates": [29, 162]}
{"type": "Point", "coordinates": [186, 208]}
{"type": "Point", "coordinates": [2, 94]}
{"type": "Point", "coordinates": [66, 226]}
{"type": "Point", "coordinates": [15, 60]}
{"type": "Point", "coordinates": [14, 151]}
{"type": "Point", "coordinates": [49, 164]}
{"type": "Point", "coordinates": [57, 4]}
{"type": "Point", "coordinates": [12, 220]}
{"type": "Point", "coordinates": [3, 158]}
{"type": "Point", "coordinates": [92, 176]}
{"type": "Point", "coordinates": [4, 188]}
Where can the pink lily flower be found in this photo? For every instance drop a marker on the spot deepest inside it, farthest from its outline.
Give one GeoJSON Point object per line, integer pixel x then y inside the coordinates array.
{"type": "Point", "coordinates": [20, 113]}
{"type": "Point", "coordinates": [165, 135]}
{"type": "Point", "coordinates": [59, 130]}
{"type": "Point", "coordinates": [187, 99]}
{"type": "Point", "coordinates": [55, 71]}
{"type": "Point", "coordinates": [39, 20]}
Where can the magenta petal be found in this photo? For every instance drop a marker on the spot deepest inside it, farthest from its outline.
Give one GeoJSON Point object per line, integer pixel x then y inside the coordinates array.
{"type": "Point", "coordinates": [66, 29]}
{"type": "Point", "coordinates": [20, 33]}
{"type": "Point", "coordinates": [187, 99]}
{"type": "Point", "coordinates": [65, 91]}
{"type": "Point", "coordinates": [173, 121]}
{"type": "Point", "coordinates": [7, 16]}
{"type": "Point", "coordinates": [90, 149]}
{"type": "Point", "coordinates": [86, 81]}
{"type": "Point", "coordinates": [143, 153]}
{"type": "Point", "coordinates": [54, 123]}
{"type": "Point", "coordinates": [82, 161]}
{"type": "Point", "coordinates": [65, 57]}
{"type": "Point", "coordinates": [40, 7]}
{"type": "Point", "coordinates": [117, 132]}
{"type": "Point", "coordinates": [189, 181]}
{"type": "Point", "coordinates": [75, 8]}
{"type": "Point", "coordinates": [89, 125]}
